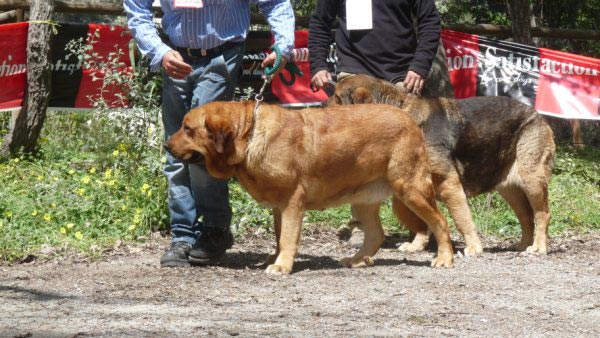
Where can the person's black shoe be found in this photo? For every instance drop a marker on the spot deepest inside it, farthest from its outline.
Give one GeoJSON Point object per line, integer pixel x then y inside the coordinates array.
{"type": "Point", "coordinates": [211, 246]}
{"type": "Point", "coordinates": [176, 255]}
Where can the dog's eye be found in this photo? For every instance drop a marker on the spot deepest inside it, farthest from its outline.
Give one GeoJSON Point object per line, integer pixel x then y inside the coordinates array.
{"type": "Point", "coordinates": [187, 129]}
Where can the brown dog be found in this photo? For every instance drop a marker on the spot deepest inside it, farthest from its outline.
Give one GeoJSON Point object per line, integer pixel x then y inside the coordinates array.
{"type": "Point", "coordinates": [295, 160]}
{"type": "Point", "coordinates": [475, 145]}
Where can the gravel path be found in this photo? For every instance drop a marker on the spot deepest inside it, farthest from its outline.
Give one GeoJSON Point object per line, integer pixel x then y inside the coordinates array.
{"type": "Point", "coordinates": [126, 294]}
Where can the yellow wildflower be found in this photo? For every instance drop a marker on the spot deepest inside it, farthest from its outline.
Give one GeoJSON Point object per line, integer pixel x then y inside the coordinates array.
{"type": "Point", "coordinates": [122, 147]}
{"type": "Point", "coordinates": [39, 178]}
{"type": "Point", "coordinates": [70, 225]}
{"type": "Point", "coordinates": [144, 187]}
{"type": "Point", "coordinates": [108, 174]}
{"type": "Point", "coordinates": [80, 191]}
{"type": "Point", "coordinates": [34, 213]}
{"type": "Point", "coordinates": [85, 180]}
{"type": "Point", "coordinates": [47, 217]}
{"type": "Point", "coordinates": [63, 231]}
{"type": "Point", "coordinates": [116, 153]}
{"type": "Point", "coordinates": [111, 183]}
{"type": "Point", "coordinates": [71, 172]}
{"type": "Point", "coordinates": [78, 235]}
{"type": "Point", "coordinates": [16, 160]}
{"type": "Point", "coordinates": [8, 214]}
{"type": "Point", "coordinates": [53, 205]}
{"type": "Point", "coordinates": [92, 170]}
{"type": "Point", "coordinates": [131, 227]}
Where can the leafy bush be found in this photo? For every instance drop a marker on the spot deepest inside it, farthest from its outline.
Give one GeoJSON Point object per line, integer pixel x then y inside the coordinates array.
{"type": "Point", "coordinates": [94, 182]}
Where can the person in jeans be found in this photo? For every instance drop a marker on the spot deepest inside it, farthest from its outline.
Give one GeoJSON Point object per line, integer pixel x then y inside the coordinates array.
{"type": "Point", "coordinates": [200, 63]}
{"type": "Point", "coordinates": [391, 40]}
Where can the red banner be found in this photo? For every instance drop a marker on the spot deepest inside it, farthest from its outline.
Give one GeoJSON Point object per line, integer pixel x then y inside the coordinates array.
{"type": "Point", "coordinates": [13, 62]}
{"type": "Point", "coordinates": [555, 83]}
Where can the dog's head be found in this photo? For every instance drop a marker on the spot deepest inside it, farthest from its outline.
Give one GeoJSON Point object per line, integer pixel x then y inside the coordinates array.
{"type": "Point", "coordinates": [216, 132]}
{"type": "Point", "coordinates": [362, 88]}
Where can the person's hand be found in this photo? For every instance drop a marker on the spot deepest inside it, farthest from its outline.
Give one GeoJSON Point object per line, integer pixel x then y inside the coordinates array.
{"type": "Point", "coordinates": [270, 60]}
{"type": "Point", "coordinates": [413, 83]}
{"type": "Point", "coordinates": [174, 65]}
{"type": "Point", "coordinates": [321, 78]}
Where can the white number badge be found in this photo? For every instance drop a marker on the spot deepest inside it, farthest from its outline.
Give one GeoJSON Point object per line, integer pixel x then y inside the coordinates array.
{"type": "Point", "coordinates": [188, 3]}
{"type": "Point", "coordinates": [359, 14]}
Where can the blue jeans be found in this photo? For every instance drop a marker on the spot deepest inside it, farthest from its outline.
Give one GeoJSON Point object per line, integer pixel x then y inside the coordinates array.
{"type": "Point", "coordinates": [196, 199]}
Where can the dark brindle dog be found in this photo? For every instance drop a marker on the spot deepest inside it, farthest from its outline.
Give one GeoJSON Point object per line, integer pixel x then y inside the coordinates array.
{"type": "Point", "coordinates": [475, 145]}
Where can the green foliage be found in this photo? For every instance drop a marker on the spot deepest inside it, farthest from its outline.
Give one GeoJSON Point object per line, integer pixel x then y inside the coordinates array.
{"type": "Point", "coordinates": [473, 11]}
{"type": "Point", "coordinates": [303, 7]}
{"type": "Point", "coordinates": [92, 184]}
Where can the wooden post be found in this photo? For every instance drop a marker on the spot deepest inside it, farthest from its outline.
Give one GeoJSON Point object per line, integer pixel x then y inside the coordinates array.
{"type": "Point", "coordinates": [28, 123]}
{"type": "Point", "coordinates": [577, 136]}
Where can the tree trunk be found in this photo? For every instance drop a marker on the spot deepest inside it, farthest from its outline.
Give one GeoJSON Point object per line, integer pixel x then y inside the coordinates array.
{"type": "Point", "coordinates": [28, 123]}
{"type": "Point", "coordinates": [519, 11]}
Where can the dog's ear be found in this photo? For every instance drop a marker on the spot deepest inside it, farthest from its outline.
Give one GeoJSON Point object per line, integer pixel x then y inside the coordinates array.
{"type": "Point", "coordinates": [219, 133]}
{"type": "Point", "coordinates": [361, 95]}
{"type": "Point", "coordinates": [219, 140]}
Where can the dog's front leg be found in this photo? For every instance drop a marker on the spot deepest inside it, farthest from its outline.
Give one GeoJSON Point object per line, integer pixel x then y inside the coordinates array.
{"type": "Point", "coordinates": [277, 227]}
{"type": "Point", "coordinates": [289, 238]}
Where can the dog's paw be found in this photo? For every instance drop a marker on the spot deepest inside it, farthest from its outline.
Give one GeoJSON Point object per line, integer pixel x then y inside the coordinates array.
{"type": "Point", "coordinates": [350, 262]}
{"type": "Point", "coordinates": [278, 270]}
{"type": "Point", "coordinates": [446, 261]}
{"type": "Point", "coordinates": [473, 250]}
{"type": "Point", "coordinates": [411, 247]}
{"type": "Point", "coordinates": [537, 249]}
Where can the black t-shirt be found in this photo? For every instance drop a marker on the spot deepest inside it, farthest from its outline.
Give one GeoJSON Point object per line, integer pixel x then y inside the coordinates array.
{"type": "Point", "coordinates": [388, 50]}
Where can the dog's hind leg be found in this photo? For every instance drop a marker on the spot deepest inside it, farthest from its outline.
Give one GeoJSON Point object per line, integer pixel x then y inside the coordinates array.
{"type": "Point", "coordinates": [535, 154]}
{"type": "Point", "coordinates": [368, 215]}
{"type": "Point", "coordinates": [530, 175]}
{"type": "Point", "coordinates": [516, 198]}
{"type": "Point", "coordinates": [538, 199]}
{"type": "Point", "coordinates": [414, 224]}
{"type": "Point", "coordinates": [277, 229]}
{"type": "Point", "coordinates": [451, 192]}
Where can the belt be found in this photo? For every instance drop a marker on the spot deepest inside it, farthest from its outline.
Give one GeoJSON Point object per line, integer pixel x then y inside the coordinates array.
{"type": "Point", "coordinates": [208, 52]}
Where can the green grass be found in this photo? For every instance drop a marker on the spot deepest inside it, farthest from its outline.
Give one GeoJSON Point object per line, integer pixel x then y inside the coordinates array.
{"type": "Point", "coordinates": [98, 180]}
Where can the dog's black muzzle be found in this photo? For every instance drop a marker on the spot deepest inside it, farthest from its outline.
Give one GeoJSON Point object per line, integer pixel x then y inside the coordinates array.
{"type": "Point", "coordinates": [196, 158]}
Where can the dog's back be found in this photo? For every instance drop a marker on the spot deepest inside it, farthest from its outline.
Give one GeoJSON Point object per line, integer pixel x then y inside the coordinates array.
{"type": "Point", "coordinates": [338, 150]}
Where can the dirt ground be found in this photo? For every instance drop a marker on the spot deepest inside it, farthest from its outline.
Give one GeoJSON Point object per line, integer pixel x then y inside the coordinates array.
{"type": "Point", "coordinates": [126, 294]}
